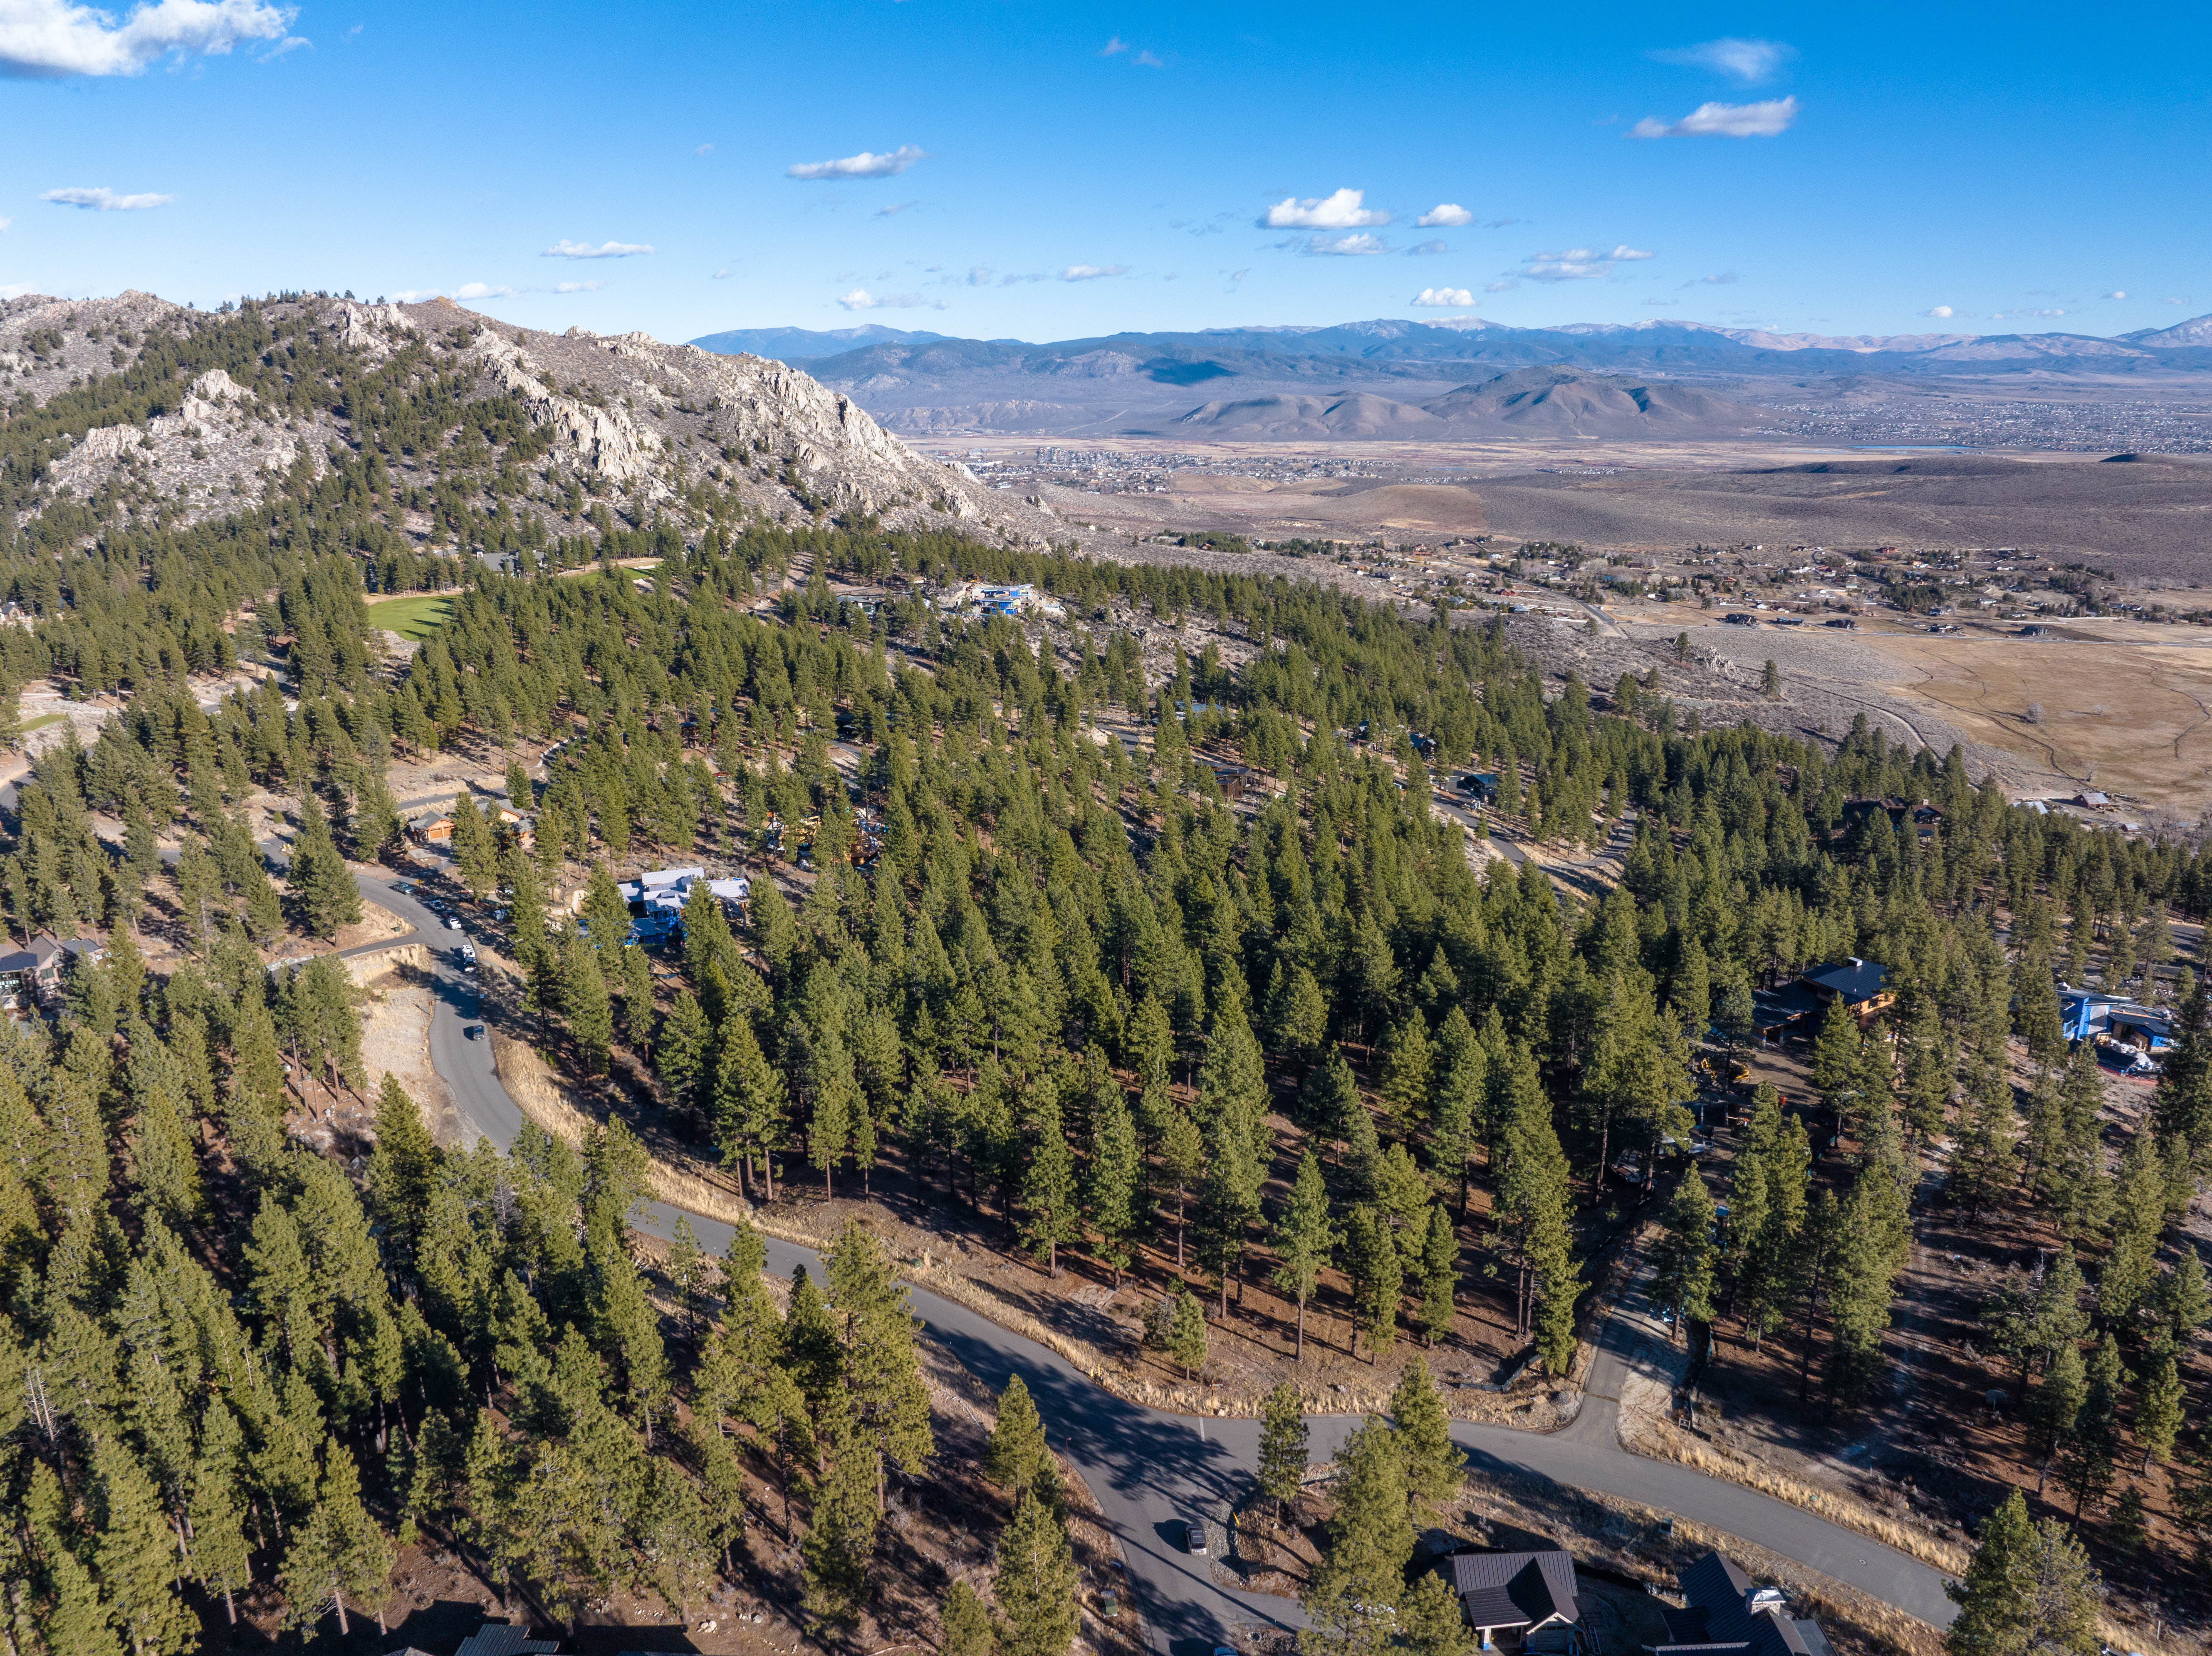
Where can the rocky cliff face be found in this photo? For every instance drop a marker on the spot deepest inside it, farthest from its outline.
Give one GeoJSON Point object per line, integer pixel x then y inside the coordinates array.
{"type": "Point", "coordinates": [644, 426]}
{"type": "Point", "coordinates": [659, 419]}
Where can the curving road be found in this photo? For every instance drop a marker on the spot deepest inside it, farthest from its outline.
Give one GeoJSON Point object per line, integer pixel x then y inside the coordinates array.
{"type": "Point", "coordinates": [1150, 1469]}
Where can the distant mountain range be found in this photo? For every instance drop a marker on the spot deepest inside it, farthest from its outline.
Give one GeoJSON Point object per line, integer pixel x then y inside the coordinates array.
{"type": "Point", "coordinates": [802, 344]}
{"type": "Point", "coordinates": [1305, 381]}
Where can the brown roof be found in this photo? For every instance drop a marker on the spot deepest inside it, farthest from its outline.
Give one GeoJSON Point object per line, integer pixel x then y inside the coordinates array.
{"type": "Point", "coordinates": [1514, 1589]}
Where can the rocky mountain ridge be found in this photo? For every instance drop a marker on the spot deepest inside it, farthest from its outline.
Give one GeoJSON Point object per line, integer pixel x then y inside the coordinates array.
{"type": "Point", "coordinates": [651, 427]}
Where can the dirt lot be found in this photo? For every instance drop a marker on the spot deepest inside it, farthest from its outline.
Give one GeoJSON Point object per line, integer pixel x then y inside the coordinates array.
{"type": "Point", "coordinates": [2126, 706]}
{"type": "Point", "coordinates": [395, 1039]}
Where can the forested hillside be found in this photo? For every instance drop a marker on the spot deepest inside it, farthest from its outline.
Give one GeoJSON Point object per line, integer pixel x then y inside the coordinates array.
{"type": "Point", "coordinates": [1051, 975]}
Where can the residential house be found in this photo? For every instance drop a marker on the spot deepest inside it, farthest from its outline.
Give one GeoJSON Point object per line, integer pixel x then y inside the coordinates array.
{"type": "Point", "coordinates": [432, 830]}
{"type": "Point", "coordinates": [503, 1639]}
{"type": "Point", "coordinates": [1727, 1616]}
{"type": "Point", "coordinates": [1528, 1599]}
{"type": "Point", "coordinates": [1859, 985]}
{"type": "Point", "coordinates": [1795, 1009]}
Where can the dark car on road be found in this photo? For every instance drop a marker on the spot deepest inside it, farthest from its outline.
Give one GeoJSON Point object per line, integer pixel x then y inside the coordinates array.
{"type": "Point", "coordinates": [474, 1032]}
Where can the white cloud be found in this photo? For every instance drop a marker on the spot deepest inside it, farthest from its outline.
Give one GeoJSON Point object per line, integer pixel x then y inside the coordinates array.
{"type": "Point", "coordinates": [1339, 211]}
{"type": "Point", "coordinates": [722, 275]}
{"type": "Point", "coordinates": [104, 200]}
{"type": "Point", "coordinates": [1445, 213]}
{"type": "Point", "coordinates": [1721, 279]}
{"type": "Point", "coordinates": [1146, 60]}
{"type": "Point", "coordinates": [704, 150]}
{"type": "Point", "coordinates": [1502, 285]}
{"type": "Point", "coordinates": [1114, 44]}
{"type": "Point", "coordinates": [1434, 298]}
{"type": "Point", "coordinates": [284, 48]}
{"type": "Point", "coordinates": [862, 166]}
{"type": "Point", "coordinates": [578, 287]}
{"type": "Point", "coordinates": [484, 290]}
{"type": "Point", "coordinates": [1579, 263]}
{"type": "Point", "coordinates": [893, 210]}
{"type": "Point", "coordinates": [1759, 120]}
{"type": "Point", "coordinates": [2183, 299]}
{"type": "Point", "coordinates": [1092, 272]}
{"type": "Point", "coordinates": [13, 289]}
{"type": "Point", "coordinates": [2117, 293]}
{"type": "Point", "coordinates": [980, 276]}
{"type": "Point", "coordinates": [413, 295]}
{"type": "Point", "coordinates": [861, 300]}
{"type": "Point", "coordinates": [49, 37]}
{"type": "Point", "coordinates": [5, 223]}
{"type": "Point", "coordinates": [604, 250]}
{"type": "Point", "coordinates": [1748, 61]}
{"type": "Point", "coordinates": [1941, 312]}
{"type": "Point", "coordinates": [1426, 247]}
{"type": "Point", "coordinates": [1356, 245]}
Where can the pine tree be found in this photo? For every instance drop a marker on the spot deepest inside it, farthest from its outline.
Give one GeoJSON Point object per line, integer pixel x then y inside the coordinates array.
{"type": "Point", "coordinates": [1186, 1337]}
{"type": "Point", "coordinates": [965, 1624]}
{"type": "Point", "coordinates": [1432, 1622]}
{"type": "Point", "coordinates": [1228, 1199]}
{"type": "Point", "coordinates": [1461, 1084]}
{"type": "Point", "coordinates": [320, 882]}
{"type": "Point", "coordinates": [584, 1004]}
{"type": "Point", "coordinates": [1371, 1535]}
{"type": "Point", "coordinates": [2092, 1449]}
{"type": "Point", "coordinates": [1997, 1600]}
{"type": "Point", "coordinates": [2139, 1217]}
{"type": "Point", "coordinates": [1434, 1464]}
{"type": "Point", "coordinates": [1533, 1199]}
{"type": "Point", "coordinates": [1049, 1189]}
{"type": "Point", "coordinates": [1304, 1239]}
{"type": "Point", "coordinates": [2054, 1407]}
{"type": "Point", "coordinates": [1408, 1063]}
{"type": "Point", "coordinates": [1182, 1156]}
{"type": "Point", "coordinates": [476, 853]}
{"type": "Point", "coordinates": [1035, 1582]}
{"type": "Point", "coordinates": [1682, 1273]}
{"type": "Point", "coordinates": [637, 1007]}
{"type": "Point", "coordinates": [1282, 1445]}
{"type": "Point", "coordinates": [401, 1167]}
{"type": "Point", "coordinates": [1439, 1276]}
{"type": "Point", "coordinates": [879, 1367]}
{"type": "Point", "coordinates": [683, 1055]}
{"type": "Point", "coordinates": [221, 1558]}
{"type": "Point", "coordinates": [1018, 1456]}
{"type": "Point", "coordinates": [2160, 1409]}
{"type": "Point", "coordinates": [749, 1100]}
{"type": "Point", "coordinates": [1113, 1188]}
{"type": "Point", "coordinates": [1377, 1278]}
{"type": "Point", "coordinates": [839, 1544]}
{"type": "Point", "coordinates": [134, 1553]}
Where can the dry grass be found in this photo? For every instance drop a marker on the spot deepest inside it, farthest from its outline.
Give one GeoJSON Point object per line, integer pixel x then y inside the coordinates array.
{"type": "Point", "coordinates": [2136, 717]}
{"type": "Point", "coordinates": [1662, 1441]}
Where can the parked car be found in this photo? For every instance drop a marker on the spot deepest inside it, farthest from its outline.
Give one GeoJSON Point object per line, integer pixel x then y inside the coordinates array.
{"type": "Point", "coordinates": [474, 1032]}
{"type": "Point", "coordinates": [453, 922]}
{"type": "Point", "coordinates": [1194, 1538]}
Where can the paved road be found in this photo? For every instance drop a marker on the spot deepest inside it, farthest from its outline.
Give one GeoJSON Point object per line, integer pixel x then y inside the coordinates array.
{"type": "Point", "coordinates": [1150, 1469]}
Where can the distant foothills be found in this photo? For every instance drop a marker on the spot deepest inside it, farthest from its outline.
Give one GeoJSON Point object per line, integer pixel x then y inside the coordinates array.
{"type": "Point", "coordinates": [1465, 378]}
{"type": "Point", "coordinates": [1690, 347]}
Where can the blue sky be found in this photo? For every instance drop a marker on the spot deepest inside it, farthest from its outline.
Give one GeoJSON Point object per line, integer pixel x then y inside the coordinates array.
{"type": "Point", "coordinates": [1048, 170]}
